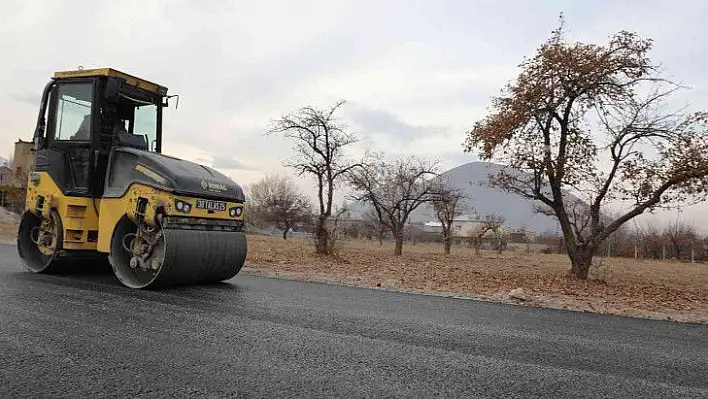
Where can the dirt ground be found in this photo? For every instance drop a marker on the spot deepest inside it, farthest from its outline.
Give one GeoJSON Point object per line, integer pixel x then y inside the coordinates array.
{"type": "Point", "coordinates": [652, 289]}
{"type": "Point", "coordinates": [660, 290]}
{"type": "Point", "coordinates": [8, 232]}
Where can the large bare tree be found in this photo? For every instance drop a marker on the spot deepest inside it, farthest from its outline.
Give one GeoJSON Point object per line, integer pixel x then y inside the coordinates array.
{"type": "Point", "coordinates": [394, 190]}
{"type": "Point", "coordinates": [320, 144]}
{"type": "Point", "coordinates": [276, 199]}
{"type": "Point", "coordinates": [589, 118]}
{"type": "Point", "coordinates": [448, 203]}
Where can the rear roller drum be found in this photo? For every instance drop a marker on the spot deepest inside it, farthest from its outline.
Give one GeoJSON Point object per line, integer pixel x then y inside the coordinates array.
{"type": "Point", "coordinates": [39, 242]}
{"type": "Point", "coordinates": [149, 258]}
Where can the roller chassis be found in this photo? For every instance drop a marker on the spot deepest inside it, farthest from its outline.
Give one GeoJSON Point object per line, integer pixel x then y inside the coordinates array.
{"type": "Point", "coordinates": [173, 250]}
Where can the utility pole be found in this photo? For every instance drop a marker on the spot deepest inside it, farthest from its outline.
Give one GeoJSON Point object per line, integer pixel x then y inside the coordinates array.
{"type": "Point", "coordinates": [635, 251]}
{"type": "Point", "coordinates": [609, 245]}
{"type": "Point", "coordinates": [663, 252]}
{"type": "Point", "coordinates": [693, 258]}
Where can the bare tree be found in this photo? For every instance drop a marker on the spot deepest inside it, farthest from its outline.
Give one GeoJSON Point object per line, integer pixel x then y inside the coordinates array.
{"type": "Point", "coordinates": [546, 122]}
{"type": "Point", "coordinates": [490, 222]}
{"type": "Point", "coordinates": [320, 142]}
{"type": "Point", "coordinates": [395, 190]}
{"type": "Point", "coordinates": [335, 230]}
{"type": "Point", "coordinates": [496, 224]}
{"type": "Point", "coordinates": [679, 235]}
{"type": "Point", "coordinates": [277, 200]}
{"type": "Point", "coordinates": [651, 240]}
{"type": "Point", "coordinates": [373, 224]}
{"type": "Point", "coordinates": [448, 204]}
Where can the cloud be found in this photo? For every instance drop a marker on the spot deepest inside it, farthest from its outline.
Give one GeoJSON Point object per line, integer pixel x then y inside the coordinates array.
{"type": "Point", "coordinates": [416, 74]}
{"type": "Point", "coordinates": [226, 162]}
{"type": "Point", "coordinates": [382, 122]}
{"type": "Point", "coordinates": [389, 132]}
{"type": "Point", "coordinates": [380, 126]}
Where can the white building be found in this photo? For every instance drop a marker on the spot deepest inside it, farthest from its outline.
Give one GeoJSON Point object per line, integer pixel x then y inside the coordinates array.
{"type": "Point", "coordinates": [462, 226]}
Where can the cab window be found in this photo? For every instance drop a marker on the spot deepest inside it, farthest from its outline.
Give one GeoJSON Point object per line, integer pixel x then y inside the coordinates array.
{"type": "Point", "coordinates": [73, 113]}
{"type": "Point", "coordinates": [145, 124]}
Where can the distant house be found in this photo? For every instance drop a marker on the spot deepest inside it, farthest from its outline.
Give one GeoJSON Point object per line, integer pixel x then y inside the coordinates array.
{"type": "Point", "coordinates": [13, 176]}
{"type": "Point", "coordinates": [467, 225]}
{"type": "Point", "coordinates": [5, 175]}
{"type": "Point", "coordinates": [462, 226]}
{"type": "Point", "coordinates": [23, 158]}
{"type": "Point", "coordinates": [6, 179]}
{"type": "Point", "coordinates": [432, 227]}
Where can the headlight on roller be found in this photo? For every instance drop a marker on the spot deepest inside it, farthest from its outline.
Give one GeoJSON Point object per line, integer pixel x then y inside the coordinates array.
{"type": "Point", "coordinates": [182, 206]}
{"type": "Point", "coordinates": [236, 211]}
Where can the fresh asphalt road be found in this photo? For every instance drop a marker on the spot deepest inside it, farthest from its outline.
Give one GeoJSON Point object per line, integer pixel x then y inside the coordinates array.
{"type": "Point", "coordinates": [84, 335]}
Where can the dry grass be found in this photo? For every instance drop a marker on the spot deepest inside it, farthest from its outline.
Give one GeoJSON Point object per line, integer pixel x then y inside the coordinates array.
{"type": "Point", "coordinates": [666, 290]}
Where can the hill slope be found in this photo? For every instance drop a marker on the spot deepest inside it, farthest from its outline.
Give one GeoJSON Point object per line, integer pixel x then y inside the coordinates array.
{"type": "Point", "coordinates": [516, 210]}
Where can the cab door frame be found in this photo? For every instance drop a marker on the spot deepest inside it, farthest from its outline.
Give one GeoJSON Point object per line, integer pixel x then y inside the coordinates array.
{"type": "Point", "coordinates": [82, 148]}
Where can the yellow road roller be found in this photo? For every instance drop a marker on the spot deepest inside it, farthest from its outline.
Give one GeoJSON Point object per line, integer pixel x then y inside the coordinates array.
{"type": "Point", "coordinates": [101, 187]}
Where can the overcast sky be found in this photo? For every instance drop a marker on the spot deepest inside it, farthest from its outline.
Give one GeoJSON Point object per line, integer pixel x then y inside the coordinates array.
{"type": "Point", "coordinates": [416, 74]}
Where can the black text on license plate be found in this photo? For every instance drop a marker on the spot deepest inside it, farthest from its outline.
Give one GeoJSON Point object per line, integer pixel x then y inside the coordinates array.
{"type": "Point", "coordinates": [211, 205]}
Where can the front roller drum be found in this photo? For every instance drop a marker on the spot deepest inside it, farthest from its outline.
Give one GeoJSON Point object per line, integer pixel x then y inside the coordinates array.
{"type": "Point", "coordinates": [182, 257]}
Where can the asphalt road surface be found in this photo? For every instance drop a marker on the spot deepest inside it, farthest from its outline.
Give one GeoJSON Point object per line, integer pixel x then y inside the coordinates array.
{"type": "Point", "coordinates": [84, 335]}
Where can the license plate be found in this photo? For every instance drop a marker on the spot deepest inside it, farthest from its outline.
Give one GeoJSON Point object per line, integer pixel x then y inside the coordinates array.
{"type": "Point", "coordinates": [211, 205]}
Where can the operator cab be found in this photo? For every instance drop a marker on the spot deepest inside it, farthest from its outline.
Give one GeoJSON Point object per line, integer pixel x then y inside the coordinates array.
{"type": "Point", "coordinates": [84, 114]}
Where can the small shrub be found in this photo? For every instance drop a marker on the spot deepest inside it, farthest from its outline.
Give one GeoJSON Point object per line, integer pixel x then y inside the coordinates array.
{"type": "Point", "coordinates": [548, 250]}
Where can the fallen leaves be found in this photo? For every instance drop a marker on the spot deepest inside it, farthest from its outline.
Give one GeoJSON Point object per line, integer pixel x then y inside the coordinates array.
{"type": "Point", "coordinates": [641, 288]}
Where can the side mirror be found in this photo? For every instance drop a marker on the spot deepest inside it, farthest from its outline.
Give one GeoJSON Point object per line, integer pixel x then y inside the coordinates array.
{"type": "Point", "coordinates": [166, 101]}
{"type": "Point", "coordinates": [113, 85]}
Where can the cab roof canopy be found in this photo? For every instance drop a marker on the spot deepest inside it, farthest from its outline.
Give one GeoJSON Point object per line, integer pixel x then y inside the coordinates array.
{"type": "Point", "coordinates": [129, 79]}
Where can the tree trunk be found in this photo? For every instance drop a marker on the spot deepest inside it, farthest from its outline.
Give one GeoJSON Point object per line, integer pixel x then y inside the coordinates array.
{"type": "Point", "coordinates": [321, 238]}
{"type": "Point", "coordinates": [677, 250]}
{"type": "Point", "coordinates": [285, 234]}
{"type": "Point", "coordinates": [580, 261]}
{"type": "Point", "coordinates": [448, 244]}
{"type": "Point", "coordinates": [399, 243]}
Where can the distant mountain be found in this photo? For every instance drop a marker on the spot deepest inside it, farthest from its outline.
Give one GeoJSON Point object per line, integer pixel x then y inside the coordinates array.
{"type": "Point", "coordinates": [516, 210]}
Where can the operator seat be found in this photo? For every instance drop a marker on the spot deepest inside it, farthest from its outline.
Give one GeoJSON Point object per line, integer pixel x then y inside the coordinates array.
{"type": "Point", "coordinates": [84, 130]}
{"type": "Point", "coordinates": [125, 139]}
